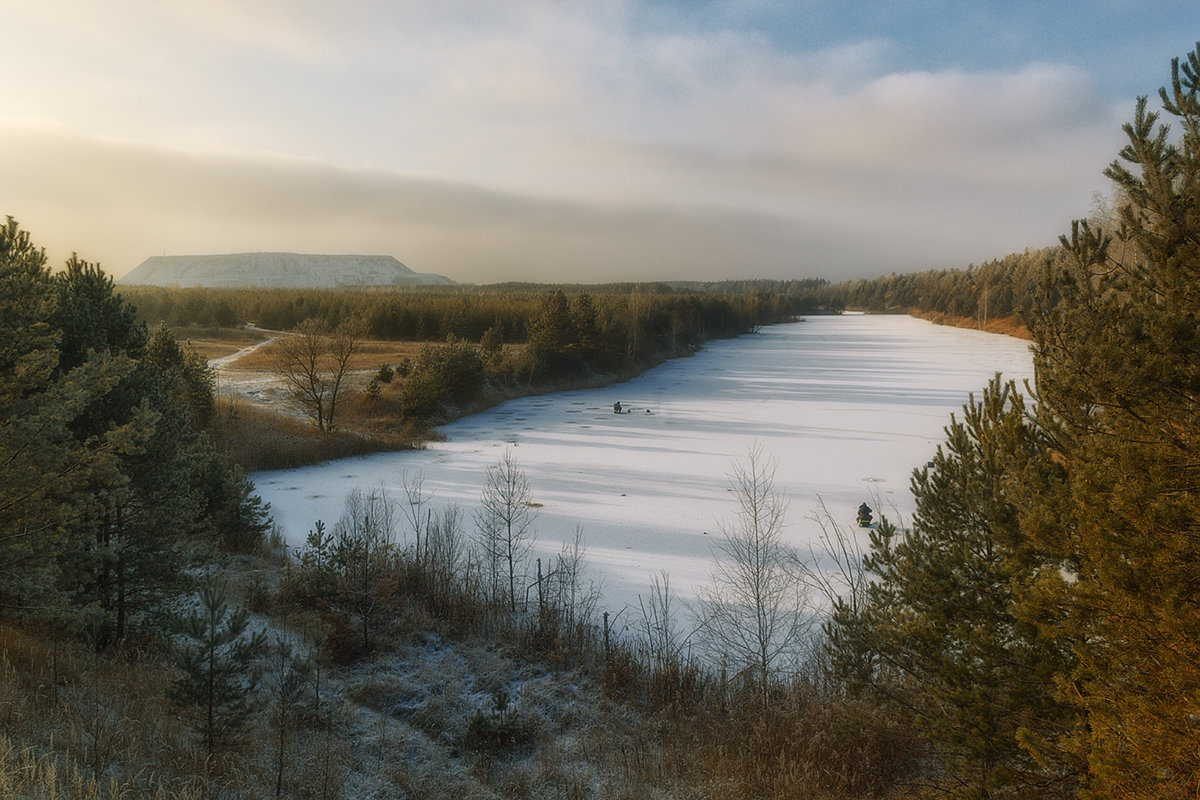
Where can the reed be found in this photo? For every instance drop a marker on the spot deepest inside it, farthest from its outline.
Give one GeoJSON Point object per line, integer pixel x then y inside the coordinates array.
{"type": "Point", "coordinates": [257, 438]}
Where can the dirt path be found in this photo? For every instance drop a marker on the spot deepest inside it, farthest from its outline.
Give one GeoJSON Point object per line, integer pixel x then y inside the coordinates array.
{"type": "Point", "coordinates": [258, 386]}
{"type": "Point", "coordinates": [224, 361]}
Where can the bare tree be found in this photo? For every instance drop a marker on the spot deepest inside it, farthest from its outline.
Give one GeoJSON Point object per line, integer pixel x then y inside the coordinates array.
{"type": "Point", "coordinates": [752, 614]}
{"type": "Point", "coordinates": [835, 567]}
{"type": "Point", "coordinates": [567, 604]}
{"type": "Point", "coordinates": [419, 518]}
{"type": "Point", "coordinates": [445, 559]}
{"type": "Point", "coordinates": [504, 524]}
{"type": "Point", "coordinates": [313, 362]}
{"type": "Point", "coordinates": [569, 594]}
{"type": "Point", "coordinates": [665, 644]}
{"type": "Point", "coordinates": [364, 550]}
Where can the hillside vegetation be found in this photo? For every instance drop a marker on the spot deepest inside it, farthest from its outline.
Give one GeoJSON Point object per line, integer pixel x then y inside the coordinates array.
{"type": "Point", "coordinates": [1033, 630]}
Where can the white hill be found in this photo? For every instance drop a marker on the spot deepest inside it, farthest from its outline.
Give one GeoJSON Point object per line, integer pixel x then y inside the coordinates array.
{"type": "Point", "coordinates": [278, 270]}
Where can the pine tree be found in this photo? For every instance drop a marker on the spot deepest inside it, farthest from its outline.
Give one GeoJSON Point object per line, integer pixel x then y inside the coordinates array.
{"type": "Point", "coordinates": [137, 518]}
{"type": "Point", "coordinates": [54, 452]}
{"type": "Point", "coordinates": [585, 321]}
{"type": "Point", "coordinates": [289, 698]}
{"type": "Point", "coordinates": [34, 444]}
{"type": "Point", "coordinates": [553, 341]}
{"type": "Point", "coordinates": [184, 374]}
{"type": "Point", "coordinates": [941, 635]}
{"type": "Point", "coordinates": [215, 651]}
{"type": "Point", "coordinates": [1119, 383]}
{"type": "Point", "coordinates": [365, 557]}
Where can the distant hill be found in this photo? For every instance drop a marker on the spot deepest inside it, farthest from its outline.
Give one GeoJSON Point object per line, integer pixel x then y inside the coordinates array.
{"type": "Point", "coordinates": [278, 270]}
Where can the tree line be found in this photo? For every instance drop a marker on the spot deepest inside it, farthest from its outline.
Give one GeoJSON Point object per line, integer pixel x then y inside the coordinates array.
{"type": "Point", "coordinates": [629, 312]}
{"type": "Point", "coordinates": [1003, 287]}
{"type": "Point", "coordinates": [496, 342]}
{"type": "Point", "coordinates": [481, 341]}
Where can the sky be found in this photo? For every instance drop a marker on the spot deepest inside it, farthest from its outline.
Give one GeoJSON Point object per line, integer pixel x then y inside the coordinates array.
{"type": "Point", "coordinates": [581, 142]}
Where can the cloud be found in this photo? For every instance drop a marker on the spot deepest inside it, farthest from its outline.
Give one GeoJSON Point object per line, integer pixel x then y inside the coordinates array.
{"type": "Point", "coordinates": [121, 201]}
{"type": "Point", "coordinates": [135, 201]}
{"type": "Point", "coordinates": [532, 140]}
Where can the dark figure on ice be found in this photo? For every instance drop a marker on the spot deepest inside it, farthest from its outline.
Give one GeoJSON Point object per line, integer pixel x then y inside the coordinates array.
{"type": "Point", "coordinates": [617, 407]}
{"type": "Point", "coordinates": [864, 516]}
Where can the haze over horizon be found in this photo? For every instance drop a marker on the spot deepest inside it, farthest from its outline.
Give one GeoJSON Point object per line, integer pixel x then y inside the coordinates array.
{"type": "Point", "coordinates": [554, 141]}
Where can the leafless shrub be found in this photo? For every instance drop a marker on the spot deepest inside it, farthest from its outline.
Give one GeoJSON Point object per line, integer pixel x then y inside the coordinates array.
{"type": "Point", "coordinates": [753, 614]}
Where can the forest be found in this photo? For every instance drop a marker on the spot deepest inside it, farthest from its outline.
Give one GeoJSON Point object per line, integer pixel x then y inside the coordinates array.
{"type": "Point", "coordinates": [1033, 630]}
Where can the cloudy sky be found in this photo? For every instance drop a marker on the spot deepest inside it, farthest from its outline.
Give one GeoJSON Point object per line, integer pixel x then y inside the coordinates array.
{"type": "Point", "coordinates": [582, 140]}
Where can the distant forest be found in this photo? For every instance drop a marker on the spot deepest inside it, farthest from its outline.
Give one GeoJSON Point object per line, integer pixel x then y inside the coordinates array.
{"type": "Point", "coordinates": [997, 289]}
{"type": "Point", "coordinates": [625, 313]}
{"type": "Point", "coordinates": [1002, 289]}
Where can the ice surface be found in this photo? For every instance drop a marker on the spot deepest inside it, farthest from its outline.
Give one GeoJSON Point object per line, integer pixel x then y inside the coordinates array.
{"type": "Point", "coordinates": [847, 405]}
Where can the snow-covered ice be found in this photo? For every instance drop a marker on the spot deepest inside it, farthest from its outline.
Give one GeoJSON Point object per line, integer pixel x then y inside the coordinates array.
{"type": "Point", "coordinates": [846, 405]}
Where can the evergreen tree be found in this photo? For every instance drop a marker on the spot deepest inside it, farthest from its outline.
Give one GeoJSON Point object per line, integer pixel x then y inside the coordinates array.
{"type": "Point", "coordinates": [585, 321]}
{"type": "Point", "coordinates": [442, 375]}
{"type": "Point", "coordinates": [108, 481]}
{"type": "Point", "coordinates": [941, 635]}
{"type": "Point", "coordinates": [365, 557]}
{"type": "Point", "coordinates": [553, 343]}
{"type": "Point", "coordinates": [137, 519]}
{"type": "Point", "coordinates": [289, 698]}
{"type": "Point", "coordinates": [50, 471]}
{"type": "Point", "coordinates": [185, 377]}
{"type": "Point", "coordinates": [491, 345]}
{"type": "Point", "coordinates": [215, 651]}
{"type": "Point", "coordinates": [1119, 380]}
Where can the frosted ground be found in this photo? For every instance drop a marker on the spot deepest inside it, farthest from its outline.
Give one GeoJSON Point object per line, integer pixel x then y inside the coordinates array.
{"type": "Point", "coordinates": [846, 405]}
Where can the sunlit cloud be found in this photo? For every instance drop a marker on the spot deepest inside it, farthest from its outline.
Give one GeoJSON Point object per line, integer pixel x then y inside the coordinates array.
{"type": "Point", "coordinates": [533, 140]}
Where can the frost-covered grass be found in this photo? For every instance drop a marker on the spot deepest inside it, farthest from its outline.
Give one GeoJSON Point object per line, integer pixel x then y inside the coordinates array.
{"type": "Point", "coordinates": [440, 707]}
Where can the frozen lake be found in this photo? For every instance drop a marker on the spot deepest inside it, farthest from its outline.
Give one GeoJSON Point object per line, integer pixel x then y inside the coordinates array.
{"type": "Point", "coordinates": [846, 405]}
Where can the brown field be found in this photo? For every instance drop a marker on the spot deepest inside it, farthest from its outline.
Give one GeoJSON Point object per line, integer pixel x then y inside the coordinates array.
{"type": "Point", "coordinates": [369, 356]}
{"type": "Point", "coordinates": [260, 427]}
{"type": "Point", "coordinates": [220, 342]}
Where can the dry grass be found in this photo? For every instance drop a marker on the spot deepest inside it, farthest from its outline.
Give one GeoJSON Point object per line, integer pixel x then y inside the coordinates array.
{"type": "Point", "coordinates": [76, 725]}
{"type": "Point", "coordinates": [273, 434]}
{"type": "Point", "coordinates": [1009, 326]}
{"type": "Point", "coordinates": [218, 342]}
{"type": "Point", "coordinates": [370, 354]}
{"type": "Point", "coordinates": [258, 438]}
{"type": "Point", "coordinates": [406, 722]}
